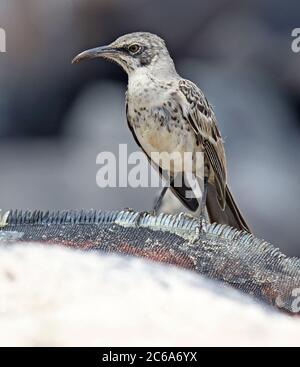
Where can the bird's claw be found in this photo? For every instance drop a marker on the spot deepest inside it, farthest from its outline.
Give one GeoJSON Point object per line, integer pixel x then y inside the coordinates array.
{"type": "Point", "coordinates": [142, 214]}
{"type": "Point", "coordinates": [201, 228]}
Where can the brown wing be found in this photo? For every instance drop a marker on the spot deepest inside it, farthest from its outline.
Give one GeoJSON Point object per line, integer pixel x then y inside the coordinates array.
{"type": "Point", "coordinates": [180, 192]}
{"type": "Point", "coordinates": [202, 119]}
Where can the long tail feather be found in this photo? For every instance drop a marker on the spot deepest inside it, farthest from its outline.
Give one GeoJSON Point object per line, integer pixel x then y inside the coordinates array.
{"type": "Point", "coordinates": [231, 215]}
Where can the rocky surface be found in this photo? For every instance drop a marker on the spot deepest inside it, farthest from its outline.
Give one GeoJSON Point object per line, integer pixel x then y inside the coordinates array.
{"type": "Point", "coordinates": [52, 296]}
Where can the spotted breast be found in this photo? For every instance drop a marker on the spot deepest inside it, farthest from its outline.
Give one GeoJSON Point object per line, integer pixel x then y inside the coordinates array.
{"type": "Point", "coordinates": [157, 121]}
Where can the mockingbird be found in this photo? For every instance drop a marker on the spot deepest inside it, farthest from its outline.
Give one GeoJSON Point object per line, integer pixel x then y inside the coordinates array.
{"type": "Point", "coordinates": [168, 113]}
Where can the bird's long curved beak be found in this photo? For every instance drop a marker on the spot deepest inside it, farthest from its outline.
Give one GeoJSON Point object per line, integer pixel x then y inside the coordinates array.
{"type": "Point", "coordinates": [94, 53]}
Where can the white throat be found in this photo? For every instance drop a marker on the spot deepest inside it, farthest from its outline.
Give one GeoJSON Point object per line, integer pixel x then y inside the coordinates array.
{"type": "Point", "coordinates": [161, 68]}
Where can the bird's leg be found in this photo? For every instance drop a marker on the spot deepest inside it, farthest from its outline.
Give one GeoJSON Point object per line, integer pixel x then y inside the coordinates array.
{"type": "Point", "coordinates": [204, 196]}
{"type": "Point", "coordinates": [202, 219]}
{"type": "Point", "coordinates": [156, 207]}
{"type": "Point", "coordinates": [159, 200]}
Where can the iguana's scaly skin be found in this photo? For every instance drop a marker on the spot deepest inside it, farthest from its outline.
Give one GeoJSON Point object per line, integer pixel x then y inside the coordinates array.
{"type": "Point", "coordinates": [232, 257]}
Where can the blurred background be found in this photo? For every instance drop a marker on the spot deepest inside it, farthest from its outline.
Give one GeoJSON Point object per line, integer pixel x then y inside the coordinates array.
{"type": "Point", "coordinates": [55, 118]}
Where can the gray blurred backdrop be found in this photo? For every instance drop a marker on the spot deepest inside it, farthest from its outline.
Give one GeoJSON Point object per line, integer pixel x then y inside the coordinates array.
{"type": "Point", "coordinates": [56, 117]}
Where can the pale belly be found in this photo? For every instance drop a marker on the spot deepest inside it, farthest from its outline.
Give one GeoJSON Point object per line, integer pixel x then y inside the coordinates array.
{"type": "Point", "coordinates": [171, 147]}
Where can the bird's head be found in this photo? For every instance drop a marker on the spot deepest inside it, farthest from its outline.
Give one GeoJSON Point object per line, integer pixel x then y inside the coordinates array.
{"type": "Point", "coordinates": [134, 51]}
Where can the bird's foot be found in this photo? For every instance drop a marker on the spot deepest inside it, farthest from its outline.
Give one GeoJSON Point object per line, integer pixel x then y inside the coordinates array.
{"type": "Point", "coordinates": [201, 227]}
{"type": "Point", "coordinates": [129, 209]}
{"type": "Point", "coordinates": [142, 214]}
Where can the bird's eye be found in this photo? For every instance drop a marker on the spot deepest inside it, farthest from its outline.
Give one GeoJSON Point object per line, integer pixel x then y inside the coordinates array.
{"type": "Point", "coordinates": [135, 48]}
